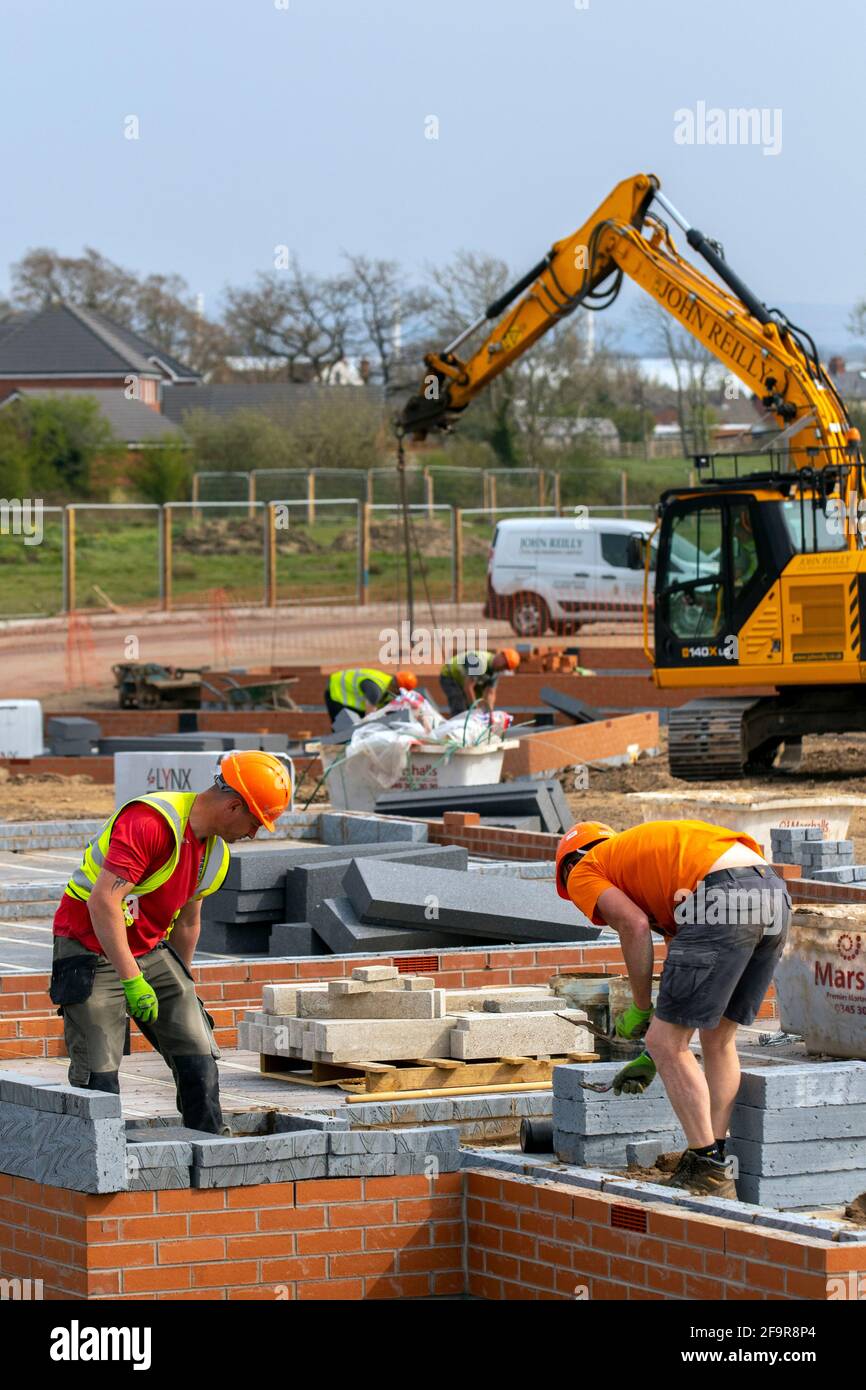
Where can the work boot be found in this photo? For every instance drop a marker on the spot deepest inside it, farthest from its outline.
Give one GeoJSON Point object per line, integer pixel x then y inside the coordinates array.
{"type": "Point", "coordinates": [856, 1210]}
{"type": "Point", "coordinates": [703, 1177]}
{"type": "Point", "coordinates": [198, 1093]}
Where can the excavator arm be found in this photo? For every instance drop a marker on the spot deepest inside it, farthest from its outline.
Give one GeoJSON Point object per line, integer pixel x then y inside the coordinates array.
{"type": "Point", "coordinates": [774, 359]}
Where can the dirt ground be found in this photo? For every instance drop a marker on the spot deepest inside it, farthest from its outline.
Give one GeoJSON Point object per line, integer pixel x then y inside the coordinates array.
{"type": "Point", "coordinates": [833, 765]}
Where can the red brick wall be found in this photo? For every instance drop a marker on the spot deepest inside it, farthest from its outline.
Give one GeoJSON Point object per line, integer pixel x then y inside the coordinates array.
{"type": "Point", "coordinates": [529, 1241]}
{"type": "Point", "coordinates": [359, 1238]}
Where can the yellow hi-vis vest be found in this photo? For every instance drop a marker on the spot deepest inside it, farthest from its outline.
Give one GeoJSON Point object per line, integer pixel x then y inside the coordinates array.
{"type": "Point", "coordinates": [175, 807]}
{"type": "Point", "coordinates": [344, 687]}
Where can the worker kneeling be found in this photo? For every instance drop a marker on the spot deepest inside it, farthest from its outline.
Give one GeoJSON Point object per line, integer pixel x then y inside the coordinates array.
{"type": "Point", "coordinates": [725, 916]}
{"type": "Point", "coordinates": [364, 689]}
{"type": "Point", "coordinates": [127, 926]}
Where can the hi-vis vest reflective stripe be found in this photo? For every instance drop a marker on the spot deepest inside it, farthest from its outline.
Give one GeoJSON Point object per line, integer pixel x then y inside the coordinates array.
{"type": "Point", "coordinates": [175, 807]}
{"type": "Point", "coordinates": [474, 666]}
{"type": "Point", "coordinates": [345, 686]}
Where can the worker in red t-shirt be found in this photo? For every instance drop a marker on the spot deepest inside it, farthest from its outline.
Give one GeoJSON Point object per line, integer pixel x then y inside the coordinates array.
{"type": "Point", "coordinates": [127, 925]}
{"type": "Point", "coordinates": [725, 916]}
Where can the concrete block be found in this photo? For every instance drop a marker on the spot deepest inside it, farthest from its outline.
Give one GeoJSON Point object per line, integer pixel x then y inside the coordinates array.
{"type": "Point", "coordinates": [431, 1139]}
{"type": "Point", "coordinates": [337, 829]}
{"type": "Point", "coordinates": [628, 1114]}
{"type": "Point", "coordinates": [17, 1144]}
{"type": "Point", "coordinates": [159, 1180]}
{"type": "Point", "coordinates": [309, 884]}
{"type": "Point", "coordinates": [339, 926]}
{"type": "Point", "coordinates": [522, 1006]}
{"type": "Point", "coordinates": [249, 1174]}
{"type": "Point", "coordinates": [282, 999]}
{"type": "Point", "coordinates": [386, 1040]}
{"type": "Point", "coordinates": [804, 1156]}
{"type": "Point", "coordinates": [18, 1088]}
{"type": "Point", "coordinates": [356, 1165]}
{"type": "Point", "coordinates": [295, 939]}
{"type": "Point", "coordinates": [802, 1189]}
{"type": "Point", "coordinates": [538, 1034]}
{"type": "Point", "coordinates": [271, 1148]}
{"type": "Point", "coordinates": [841, 875]}
{"type": "Point", "coordinates": [607, 1148]}
{"type": "Point", "coordinates": [86, 1155]}
{"type": "Point", "coordinates": [78, 1101]}
{"type": "Point", "coordinates": [644, 1153]}
{"type": "Point", "coordinates": [231, 939]}
{"type": "Point", "coordinates": [417, 982]}
{"type": "Point", "coordinates": [799, 1123]}
{"type": "Point", "coordinates": [511, 909]}
{"type": "Point", "coordinates": [567, 1082]}
{"type": "Point", "coordinates": [460, 1001]}
{"type": "Point", "coordinates": [363, 1141]}
{"type": "Point", "coordinates": [368, 973]}
{"type": "Point", "coordinates": [814, 832]}
{"type": "Point", "coordinates": [390, 1003]}
{"type": "Point", "coordinates": [157, 1153]}
{"type": "Point", "coordinates": [328, 1123]}
{"type": "Point", "coordinates": [818, 1083]}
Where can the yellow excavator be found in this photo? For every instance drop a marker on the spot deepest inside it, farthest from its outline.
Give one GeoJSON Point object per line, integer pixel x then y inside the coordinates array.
{"type": "Point", "coordinates": [760, 570]}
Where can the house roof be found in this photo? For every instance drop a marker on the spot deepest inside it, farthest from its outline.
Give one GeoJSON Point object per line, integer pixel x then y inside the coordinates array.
{"type": "Point", "coordinates": [132, 421]}
{"type": "Point", "coordinates": [66, 340]}
{"type": "Point", "coordinates": [279, 400]}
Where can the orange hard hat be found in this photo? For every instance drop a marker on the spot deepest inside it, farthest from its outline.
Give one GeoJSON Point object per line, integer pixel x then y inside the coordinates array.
{"type": "Point", "coordinates": [573, 846]}
{"type": "Point", "coordinates": [262, 780]}
{"type": "Point", "coordinates": [512, 658]}
{"type": "Point", "coordinates": [406, 680]}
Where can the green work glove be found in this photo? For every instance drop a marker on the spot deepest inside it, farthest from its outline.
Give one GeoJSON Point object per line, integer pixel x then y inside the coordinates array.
{"type": "Point", "coordinates": [635, 1076]}
{"type": "Point", "coordinates": [632, 1022]}
{"type": "Point", "coordinates": [140, 999]}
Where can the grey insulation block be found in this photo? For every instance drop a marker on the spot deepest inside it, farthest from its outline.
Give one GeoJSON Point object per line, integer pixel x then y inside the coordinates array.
{"type": "Point", "coordinates": [271, 1148]}
{"type": "Point", "coordinates": [170, 1133]}
{"type": "Point", "coordinates": [567, 1082]}
{"type": "Point", "coordinates": [249, 1174]}
{"type": "Point", "coordinates": [235, 939]}
{"type": "Point", "coordinates": [818, 1083]}
{"type": "Point", "coordinates": [804, 1156]}
{"type": "Point", "coordinates": [17, 1144]}
{"type": "Point", "coordinates": [256, 867]}
{"type": "Point", "coordinates": [337, 829]}
{"type": "Point", "coordinates": [310, 884]}
{"type": "Point", "coordinates": [157, 1153]}
{"type": "Point", "coordinates": [159, 1180]}
{"type": "Point", "coordinates": [339, 926]}
{"type": "Point", "coordinates": [507, 909]}
{"type": "Point", "coordinates": [296, 939]}
{"type": "Point", "coordinates": [607, 1148]}
{"type": "Point", "coordinates": [307, 1120]}
{"type": "Point", "coordinates": [363, 1141]}
{"type": "Point", "coordinates": [86, 1155]}
{"type": "Point", "coordinates": [799, 1122]}
{"type": "Point", "coordinates": [644, 1152]}
{"type": "Point", "coordinates": [19, 1088]}
{"type": "Point", "coordinates": [393, 1165]}
{"type": "Point", "coordinates": [802, 1189]}
{"type": "Point", "coordinates": [78, 1101]}
{"type": "Point", "coordinates": [628, 1114]}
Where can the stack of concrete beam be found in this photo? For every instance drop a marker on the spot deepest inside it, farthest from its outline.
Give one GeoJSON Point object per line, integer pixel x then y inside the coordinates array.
{"type": "Point", "coordinates": [829, 861]}
{"type": "Point", "coordinates": [205, 742]}
{"type": "Point", "coordinates": [160, 1158]}
{"type": "Point", "coordinates": [476, 906]}
{"type": "Point", "coordinates": [48, 834]}
{"type": "Point", "coordinates": [592, 1128]}
{"type": "Point", "coordinates": [380, 1016]}
{"type": "Point", "coordinates": [799, 1134]}
{"type": "Point", "coordinates": [61, 1135]}
{"type": "Point", "coordinates": [21, 899]}
{"type": "Point", "coordinates": [542, 800]}
{"type": "Point", "coordinates": [71, 736]}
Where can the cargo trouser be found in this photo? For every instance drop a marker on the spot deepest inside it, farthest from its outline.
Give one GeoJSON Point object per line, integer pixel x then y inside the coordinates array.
{"type": "Point", "coordinates": [455, 694]}
{"type": "Point", "coordinates": [95, 1027]}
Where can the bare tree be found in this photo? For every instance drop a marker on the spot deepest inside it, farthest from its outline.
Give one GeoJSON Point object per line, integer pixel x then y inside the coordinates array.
{"type": "Point", "coordinates": [159, 307]}
{"type": "Point", "coordinates": [693, 366]}
{"type": "Point", "coordinates": [301, 318]}
{"type": "Point", "coordinates": [389, 318]}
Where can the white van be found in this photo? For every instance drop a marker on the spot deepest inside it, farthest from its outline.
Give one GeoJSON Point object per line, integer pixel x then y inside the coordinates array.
{"type": "Point", "coordinates": [564, 571]}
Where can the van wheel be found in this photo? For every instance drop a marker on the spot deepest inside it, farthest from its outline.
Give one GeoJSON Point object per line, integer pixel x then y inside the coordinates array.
{"type": "Point", "coordinates": [530, 616]}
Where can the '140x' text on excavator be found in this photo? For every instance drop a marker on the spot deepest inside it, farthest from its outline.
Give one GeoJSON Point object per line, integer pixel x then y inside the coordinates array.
{"type": "Point", "coordinates": [760, 575]}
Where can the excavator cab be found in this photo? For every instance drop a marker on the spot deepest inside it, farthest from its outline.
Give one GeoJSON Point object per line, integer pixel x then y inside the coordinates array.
{"type": "Point", "coordinates": [758, 582]}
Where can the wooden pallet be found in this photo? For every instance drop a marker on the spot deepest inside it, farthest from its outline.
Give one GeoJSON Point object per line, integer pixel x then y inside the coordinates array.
{"type": "Point", "coordinates": [423, 1074]}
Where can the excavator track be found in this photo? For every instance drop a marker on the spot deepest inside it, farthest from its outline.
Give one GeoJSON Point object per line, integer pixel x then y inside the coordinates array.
{"type": "Point", "coordinates": [706, 739]}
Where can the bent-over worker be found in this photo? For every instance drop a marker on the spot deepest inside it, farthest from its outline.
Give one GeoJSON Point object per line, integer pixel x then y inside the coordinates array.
{"type": "Point", "coordinates": [364, 689]}
{"type": "Point", "coordinates": [473, 676]}
{"type": "Point", "coordinates": [724, 915]}
{"type": "Point", "coordinates": [127, 925]}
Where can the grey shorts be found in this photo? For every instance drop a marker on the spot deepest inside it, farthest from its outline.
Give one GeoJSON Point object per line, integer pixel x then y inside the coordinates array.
{"type": "Point", "coordinates": [730, 935]}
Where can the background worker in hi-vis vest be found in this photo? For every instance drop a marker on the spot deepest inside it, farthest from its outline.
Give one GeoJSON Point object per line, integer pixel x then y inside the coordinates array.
{"type": "Point", "coordinates": [364, 689]}
{"type": "Point", "coordinates": [127, 926]}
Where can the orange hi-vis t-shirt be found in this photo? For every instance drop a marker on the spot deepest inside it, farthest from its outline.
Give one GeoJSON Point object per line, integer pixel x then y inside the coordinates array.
{"type": "Point", "coordinates": [651, 864]}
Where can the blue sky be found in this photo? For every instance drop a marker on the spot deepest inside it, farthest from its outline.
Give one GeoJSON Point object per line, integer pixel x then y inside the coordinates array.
{"type": "Point", "coordinates": [305, 126]}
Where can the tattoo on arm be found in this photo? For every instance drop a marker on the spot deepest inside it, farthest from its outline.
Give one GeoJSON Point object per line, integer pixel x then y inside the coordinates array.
{"type": "Point", "coordinates": [119, 883]}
